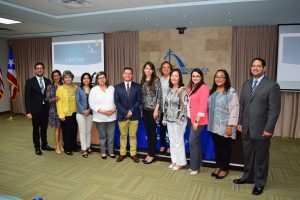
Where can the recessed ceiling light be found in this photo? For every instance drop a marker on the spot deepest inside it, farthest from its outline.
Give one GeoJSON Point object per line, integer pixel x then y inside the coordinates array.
{"type": "Point", "coordinates": [157, 24]}
{"type": "Point", "coordinates": [8, 21]}
{"type": "Point", "coordinates": [146, 18]}
{"type": "Point", "coordinates": [184, 15]}
{"type": "Point", "coordinates": [190, 22]}
{"type": "Point", "coordinates": [228, 12]}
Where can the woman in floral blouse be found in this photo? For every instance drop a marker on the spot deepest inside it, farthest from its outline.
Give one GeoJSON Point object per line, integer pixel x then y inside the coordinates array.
{"type": "Point", "coordinates": [175, 116]}
{"type": "Point", "coordinates": [151, 103]}
{"type": "Point", "coordinates": [223, 118]}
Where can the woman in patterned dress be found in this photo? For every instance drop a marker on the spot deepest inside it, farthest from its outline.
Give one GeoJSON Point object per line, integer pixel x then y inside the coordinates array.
{"type": "Point", "coordinates": [151, 105]}
{"type": "Point", "coordinates": [223, 115]}
{"type": "Point", "coordinates": [51, 98]}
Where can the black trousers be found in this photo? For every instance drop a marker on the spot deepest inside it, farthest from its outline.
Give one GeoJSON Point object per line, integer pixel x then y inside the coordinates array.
{"type": "Point", "coordinates": [150, 126]}
{"type": "Point", "coordinates": [69, 131]}
{"type": "Point", "coordinates": [222, 151]}
{"type": "Point", "coordinates": [40, 125]}
{"type": "Point", "coordinates": [163, 131]}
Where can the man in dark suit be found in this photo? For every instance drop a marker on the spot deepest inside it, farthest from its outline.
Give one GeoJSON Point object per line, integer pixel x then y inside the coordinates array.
{"type": "Point", "coordinates": [259, 111]}
{"type": "Point", "coordinates": [128, 99]}
{"type": "Point", "coordinates": [37, 109]}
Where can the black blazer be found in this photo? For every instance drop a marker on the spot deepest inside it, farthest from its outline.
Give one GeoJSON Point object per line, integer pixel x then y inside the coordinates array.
{"type": "Point", "coordinates": [124, 103]}
{"type": "Point", "coordinates": [33, 95]}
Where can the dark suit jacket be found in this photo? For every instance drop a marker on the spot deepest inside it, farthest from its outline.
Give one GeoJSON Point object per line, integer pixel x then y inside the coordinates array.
{"type": "Point", "coordinates": [33, 95]}
{"type": "Point", "coordinates": [259, 112]}
{"type": "Point", "coordinates": [124, 103]}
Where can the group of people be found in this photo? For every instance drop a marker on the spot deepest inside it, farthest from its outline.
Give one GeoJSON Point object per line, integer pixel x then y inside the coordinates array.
{"type": "Point", "coordinates": [164, 101]}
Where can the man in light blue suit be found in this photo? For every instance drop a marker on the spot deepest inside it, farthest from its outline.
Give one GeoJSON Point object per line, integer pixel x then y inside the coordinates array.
{"type": "Point", "coordinates": [259, 111]}
{"type": "Point", "coordinates": [128, 99]}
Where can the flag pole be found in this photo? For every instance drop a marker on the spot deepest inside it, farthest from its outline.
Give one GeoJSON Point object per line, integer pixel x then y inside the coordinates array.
{"type": "Point", "coordinates": [11, 106]}
{"type": "Point", "coordinates": [10, 100]}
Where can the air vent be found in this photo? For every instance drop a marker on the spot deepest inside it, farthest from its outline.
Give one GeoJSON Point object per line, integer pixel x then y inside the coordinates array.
{"type": "Point", "coordinates": [72, 3]}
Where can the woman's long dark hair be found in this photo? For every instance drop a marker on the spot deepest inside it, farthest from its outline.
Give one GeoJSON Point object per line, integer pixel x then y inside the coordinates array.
{"type": "Point", "coordinates": [180, 82]}
{"type": "Point", "coordinates": [153, 75]}
{"type": "Point", "coordinates": [227, 82]}
{"type": "Point", "coordinates": [198, 85]}
{"type": "Point", "coordinates": [81, 80]}
{"type": "Point", "coordinates": [52, 74]}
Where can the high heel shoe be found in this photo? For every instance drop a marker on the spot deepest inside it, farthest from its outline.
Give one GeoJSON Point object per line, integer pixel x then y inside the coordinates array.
{"type": "Point", "coordinates": [172, 165]}
{"type": "Point", "coordinates": [57, 150]}
{"type": "Point", "coordinates": [221, 177]}
{"type": "Point", "coordinates": [61, 148]}
{"type": "Point", "coordinates": [176, 167]}
{"type": "Point", "coordinates": [149, 162]}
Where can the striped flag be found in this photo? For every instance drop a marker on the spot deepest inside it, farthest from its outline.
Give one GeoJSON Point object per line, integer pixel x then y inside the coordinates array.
{"type": "Point", "coordinates": [11, 76]}
{"type": "Point", "coordinates": [1, 85]}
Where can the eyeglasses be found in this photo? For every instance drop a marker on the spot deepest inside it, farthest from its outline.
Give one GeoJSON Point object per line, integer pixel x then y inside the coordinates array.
{"type": "Point", "coordinates": [220, 77]}
{"type": "Point", "coordinates": [101, 77]}
{"type": "Point", "coordinates": [256, 65]}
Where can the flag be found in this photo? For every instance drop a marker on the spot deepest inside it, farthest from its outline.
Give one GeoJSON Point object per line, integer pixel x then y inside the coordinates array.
{"type": "Point", "coordinates": [1, 85]}
{"type": "Point", "coordinates": [11, 76]}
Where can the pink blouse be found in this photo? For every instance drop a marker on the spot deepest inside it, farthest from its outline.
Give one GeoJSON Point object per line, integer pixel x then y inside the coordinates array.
{"type": "Point", "coordinates": [198, 104]}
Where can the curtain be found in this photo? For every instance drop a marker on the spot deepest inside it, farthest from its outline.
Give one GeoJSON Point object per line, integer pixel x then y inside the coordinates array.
{"type": "Point", "coordinates": [121, 50]}
{"type": "Point", "coordinates": [249, 42]}
{"type": "Point", "coordinates": [27, 52]}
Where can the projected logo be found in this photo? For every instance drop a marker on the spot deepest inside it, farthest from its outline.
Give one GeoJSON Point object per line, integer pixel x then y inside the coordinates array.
{"type": "Point", "coordinates": [77, 54]}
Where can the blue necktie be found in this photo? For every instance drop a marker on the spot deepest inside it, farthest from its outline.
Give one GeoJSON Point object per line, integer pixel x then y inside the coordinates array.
{"type": "Point", "coordinates": [42, 85]}
{"type": "Point", "coordinates": [254, 86]}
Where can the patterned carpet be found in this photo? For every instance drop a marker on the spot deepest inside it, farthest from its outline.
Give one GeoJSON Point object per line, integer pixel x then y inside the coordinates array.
{"type": "Point", "coordinates": [58, 176]}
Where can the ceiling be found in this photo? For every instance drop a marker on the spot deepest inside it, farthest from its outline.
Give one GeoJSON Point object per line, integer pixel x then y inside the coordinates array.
{"type": "Point", "coordinates": [65, 17]}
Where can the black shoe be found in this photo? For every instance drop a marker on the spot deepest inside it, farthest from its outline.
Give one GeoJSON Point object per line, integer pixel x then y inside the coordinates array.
{"type": "Point", "coordinates": [149, 162]}
{"type": "Point", "coordinates": [69, 153]}
{"type": "Point", "coordinates": [257, 190]}
{"type": "Point", "coordinates": [113, 156]}
{"type": "Point", "coordinates": [38, 152]}
{"type": "Point", "coordinates": [241, 181]}
{"type": "Point", "coordinates": [47, 148]}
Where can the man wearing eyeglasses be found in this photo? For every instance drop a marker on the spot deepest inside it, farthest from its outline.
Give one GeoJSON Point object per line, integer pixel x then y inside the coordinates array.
{"type": "Point", "coordinates": [259, 110]}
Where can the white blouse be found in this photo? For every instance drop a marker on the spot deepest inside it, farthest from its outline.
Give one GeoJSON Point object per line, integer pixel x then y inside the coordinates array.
{"type": "Point", "coordinates": [99, 99]}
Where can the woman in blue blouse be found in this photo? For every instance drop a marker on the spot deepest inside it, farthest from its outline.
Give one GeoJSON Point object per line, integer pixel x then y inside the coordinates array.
{"type": "Point", "coordinates": [84, 113]}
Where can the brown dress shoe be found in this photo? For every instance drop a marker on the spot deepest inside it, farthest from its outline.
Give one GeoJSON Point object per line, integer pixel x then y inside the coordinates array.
{"type": "Point", "coordinates": [135, 159]}
{"type": "Point", "coordinates": [121, 158]}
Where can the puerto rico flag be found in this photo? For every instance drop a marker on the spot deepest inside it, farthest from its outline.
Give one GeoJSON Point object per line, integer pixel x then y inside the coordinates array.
{"type": "Point", "coordinates": [11, 76]}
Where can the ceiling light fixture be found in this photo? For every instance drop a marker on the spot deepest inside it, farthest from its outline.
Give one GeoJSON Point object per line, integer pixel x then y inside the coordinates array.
{"type": "Point", "coordinates": [8, 21]}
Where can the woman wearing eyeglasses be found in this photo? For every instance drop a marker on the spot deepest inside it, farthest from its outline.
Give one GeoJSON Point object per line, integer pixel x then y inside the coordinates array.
{"type": "Point", "coordinates": [223, 119]}
{"type": "Point", "coordinates": [102, 102]}
{"type": "Point", "coordinates": [198, 93]}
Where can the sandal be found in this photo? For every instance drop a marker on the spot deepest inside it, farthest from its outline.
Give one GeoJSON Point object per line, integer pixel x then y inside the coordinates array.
{"type": "Point", "coordinates": [89, 150]}
{"type": "Point", "coordinates": [85, 154]}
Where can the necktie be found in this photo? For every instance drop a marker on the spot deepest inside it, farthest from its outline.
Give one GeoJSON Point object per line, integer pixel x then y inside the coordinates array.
{"type": "Point", "coordinates": [127, 89]}
{"type": "Point", "coordinates": [254, 86]}
{"type": "Point", "coordinates": [42, 85]}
